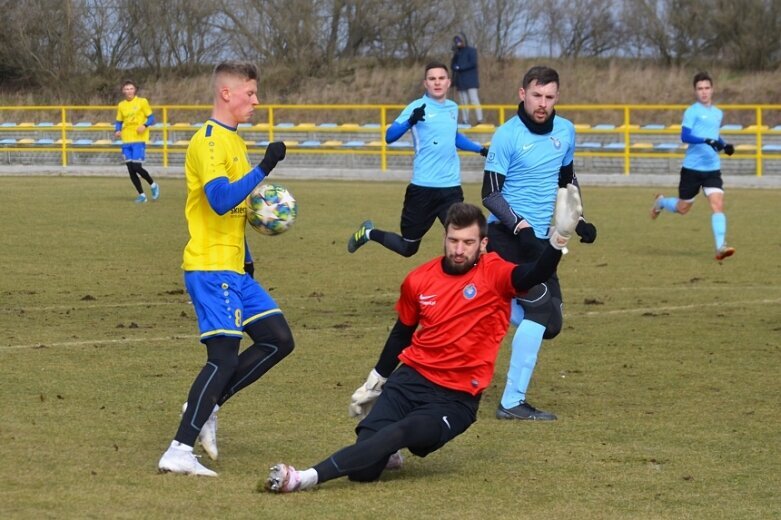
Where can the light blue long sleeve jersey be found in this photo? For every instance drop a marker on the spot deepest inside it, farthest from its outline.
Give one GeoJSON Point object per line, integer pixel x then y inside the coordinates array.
{"type": "Point", "coordinates": [704, 123]}
{"type": "Point", "coordinates": [531, 164]}
{"type": "Point", "coordinates": [436, 163]}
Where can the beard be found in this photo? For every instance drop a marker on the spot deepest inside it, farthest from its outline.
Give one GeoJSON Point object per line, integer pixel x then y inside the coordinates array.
{"type": "Point", "coordinates": [450, 265]}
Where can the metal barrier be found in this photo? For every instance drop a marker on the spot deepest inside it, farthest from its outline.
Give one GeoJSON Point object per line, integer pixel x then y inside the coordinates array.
{"type": "Point", "coordinates": [623, 132]}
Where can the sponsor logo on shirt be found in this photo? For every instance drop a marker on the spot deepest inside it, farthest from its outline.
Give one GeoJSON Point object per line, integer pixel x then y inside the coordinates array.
{"type": "Point", "coordinates": [470, 291]}
{"type": "Point", "coordinates": [556, 142]}
{"type": "Point", "coordinates": [427, 300]}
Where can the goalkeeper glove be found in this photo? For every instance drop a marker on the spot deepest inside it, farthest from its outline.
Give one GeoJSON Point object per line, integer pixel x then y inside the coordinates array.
{"type": "Point", "coordinates": [275, 152]}
{"type": "Point", "coordinates": [365, 395]}
{"type": "Point", "coordinates": [729, 149]}
{"type": "Point", "coordinates": [484, 151]}
{"type": "Point", "coordinates": [566, 217]}
{"type": "Point", "coordinates": [586, 231]}
{"type": "Point", "coordinates": [715, 144]}
{"type": "Point", "coordinates": [418, 114]}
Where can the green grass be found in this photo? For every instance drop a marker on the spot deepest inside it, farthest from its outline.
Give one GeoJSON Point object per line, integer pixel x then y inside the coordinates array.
{"type": "Point", "coordinates": [665, 378]}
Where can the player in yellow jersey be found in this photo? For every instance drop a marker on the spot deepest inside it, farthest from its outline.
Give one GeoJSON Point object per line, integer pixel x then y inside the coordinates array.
{"type": "Point", "coordinates": [134, 117]}
{"type": "Point", "coordinates": [218, 270]}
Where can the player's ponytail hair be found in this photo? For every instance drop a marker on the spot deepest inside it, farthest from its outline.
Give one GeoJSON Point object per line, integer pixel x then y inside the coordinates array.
{"type": "Point", "coordinates": [462, 215]}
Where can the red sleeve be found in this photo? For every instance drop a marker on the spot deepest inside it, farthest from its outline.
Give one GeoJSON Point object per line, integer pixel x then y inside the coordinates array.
{"type": "Point", "coordinates": [407, 305]}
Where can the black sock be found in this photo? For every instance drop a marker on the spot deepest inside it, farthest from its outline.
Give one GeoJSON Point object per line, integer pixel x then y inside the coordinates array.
{"type": "Point", "coordinates": [395, 242]}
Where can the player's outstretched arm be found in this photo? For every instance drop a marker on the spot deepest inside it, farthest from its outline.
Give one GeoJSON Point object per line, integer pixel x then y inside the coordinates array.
{"type": "Point", "coordinates": [495, 202]}
{"type": "Point", "coordinates": [365, 395]}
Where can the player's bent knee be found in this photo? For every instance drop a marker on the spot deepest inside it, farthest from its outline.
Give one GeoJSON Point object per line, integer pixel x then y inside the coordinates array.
{"type": "Point", "coordinates": [555, 321]}
{"type": "Point", "coordinates": [410, 248]}
{"type": "Point", "coordinates": [371, 474]}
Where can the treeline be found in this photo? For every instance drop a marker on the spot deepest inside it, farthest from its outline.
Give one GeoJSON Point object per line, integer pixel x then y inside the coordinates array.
{"type": "Point", "coordinates": [74, 49]}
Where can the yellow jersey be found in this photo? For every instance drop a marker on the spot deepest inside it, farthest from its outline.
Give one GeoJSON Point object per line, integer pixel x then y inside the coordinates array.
{"type": "Point", "coordinates": [216, 241]}
{"type": "Point", "coordinates": [133, 114]}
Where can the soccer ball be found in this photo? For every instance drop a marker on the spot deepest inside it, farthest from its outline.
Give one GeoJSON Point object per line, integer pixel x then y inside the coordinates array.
{"type": "Point", "coordinates": [271, 209]}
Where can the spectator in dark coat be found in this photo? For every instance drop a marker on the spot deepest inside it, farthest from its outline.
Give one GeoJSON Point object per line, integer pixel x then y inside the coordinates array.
{"type": "Point", "coordinates": [466, 78]}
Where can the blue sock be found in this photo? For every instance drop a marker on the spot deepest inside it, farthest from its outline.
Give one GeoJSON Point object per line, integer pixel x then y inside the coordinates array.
{"type": "Point", "coordinates": [669, 204]}
{"type": "Point", "coordinates": [526, 344]}
{"type": "Point", "coordinates": [719, 224]}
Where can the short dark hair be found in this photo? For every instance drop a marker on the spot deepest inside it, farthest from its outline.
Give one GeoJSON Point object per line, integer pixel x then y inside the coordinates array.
{"type": "Point", "coordinates": [242, 69]}
{"type": "Point", "coordinates": [129, 82]}
{"type": "Point", "coordinates": [435, 65]}
{"type": "Point", "coordinates": [542, 75]}
{"type": "Point", "coordinates": [702, 76]}
{"type": "Point", "coordinates": [462, 215]}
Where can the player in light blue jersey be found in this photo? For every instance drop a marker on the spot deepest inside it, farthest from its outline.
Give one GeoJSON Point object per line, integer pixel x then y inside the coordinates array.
{"type": "Point", "coordinates": [530, 158]}
{"type": "Point", "coordinates": [701, 167]}
{"type": "Point", "coordinates": [436, 168]}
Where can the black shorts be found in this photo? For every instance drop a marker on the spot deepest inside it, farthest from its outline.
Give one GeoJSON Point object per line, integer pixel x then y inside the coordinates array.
{"type": "Point", "coordinates": [693, 180]}
{"type": "Point", "coordinates": [522, 248]}
{"type": "Point", "coordinates": [408, 393]}
{"type": "Point", "coordinates": [422, 206]}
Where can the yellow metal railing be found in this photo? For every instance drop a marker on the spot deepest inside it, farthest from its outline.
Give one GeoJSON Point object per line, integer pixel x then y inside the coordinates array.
{"type": "Point", "coordinates": [628, 124]}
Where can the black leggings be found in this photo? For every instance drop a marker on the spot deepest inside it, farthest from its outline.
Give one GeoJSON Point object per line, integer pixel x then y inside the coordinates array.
{"type": "Point", "coordinates": [226, 371]}
{"type": "Point", "coordinates": [135, 169]}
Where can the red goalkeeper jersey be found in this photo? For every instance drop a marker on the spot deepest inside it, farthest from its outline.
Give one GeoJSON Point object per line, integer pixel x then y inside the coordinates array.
{"type": "Point", "coordinates": [461, 319]}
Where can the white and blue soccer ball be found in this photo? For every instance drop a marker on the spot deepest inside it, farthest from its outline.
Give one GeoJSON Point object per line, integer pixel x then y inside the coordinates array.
{"type": "Point", "coordinates": [271, 209]}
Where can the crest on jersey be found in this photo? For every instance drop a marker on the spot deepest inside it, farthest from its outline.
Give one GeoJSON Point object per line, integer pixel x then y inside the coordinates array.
{"type": "Point", "coordinates": [556, 142]}
{"type": "Point", "coordinates": [470, 291]}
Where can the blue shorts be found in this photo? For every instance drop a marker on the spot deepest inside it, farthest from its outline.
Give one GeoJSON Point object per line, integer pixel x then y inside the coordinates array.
{"type": "Point", "coordinates": [225, 302]}
{"type": "Point", "coordinates": [134, 152]}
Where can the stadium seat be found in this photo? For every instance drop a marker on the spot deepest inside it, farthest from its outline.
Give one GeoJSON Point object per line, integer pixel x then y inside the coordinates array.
{"type": "Point", "coordinates": [8, 124]}
{"type": "Point", "coordinates": [310, 143]}
{"type": "Point", "coordinates": [629, 127]}
{"type": "Point", "coordinates": [7, 141]}
{"type": "Point", "coordinates": [181, 125]}
{"type": "Point", "coordinates": [245, 125]}
{"type": "Point", "coordinates": [333, 143]}
{"type": "Point", "coordinates": [776, 128]}
{"type": "Point", "coordinates": [484, 127]}
{"type": "Point", "coordinates": [45, 142]}
{"type": "Point", "coordinates": [400, 144]}
{"type": "Point", "coordinates": [746, 148]}
{"type": "Point", "coordinates": [45, 124]}
{"type": "Point", "coordinates": [588, 145]}
{"type": "Point", "coordinates": [261, 127]}
{"type": "Point", "coordinates": [582, 126]}
{"type": "Point", "coordinates": [642, 146]}
{"type": "Point", "coordinates": [354, 144]}
{"type": "Point", "coordinates": [667, 147]}
{"type": "Point", "coordinates": [614, 146]}
{"type": "Point", "coordinates": [676, 127]}
{"type": "Point", "coordinates": [247, 142]}
{"type": "Point", "coordinates": [376, 143]}
{"type": "Point", "coordinates": [284, 125]}
{"type": "Point", "coordinates": [160, 142]}
{"type": "Point", "coordinates": [464, 126]}
{"type": "Point", "coordinates": [182, 142]}
{"type": "Point", "coordinates": [82, 142]}
{"type": "Point", "coordinates": [308, 127]}
{"type": "Point", "coordinates": [351, 127]}
{"type": "Point", "coordinates": [604, 126]}
{"type": "Point", "coordinates": [26, 141]}
{"type": "Point", "coordinates": [754, 128]}
{"type": "Point", "coordinates": [653, 126]}
{"type": "Point", "coordinates": [731, 127]}
{"type": "Point", "coordinates": [102, 142]}
{"type": "Point", "coordinates": [26, 124]}
{"type": "Point", "coordinates": [291, 143]}
{"type": "Point", "coordinates": [103, 124]}
{"type": "Point", "coordinates": [67, 141]}
{"type": "Point", "coordinates": [327, 125]}
{"type": "Point", "coordinates": [765, 148]}
{"type": "Point", "coordinates": [371, 125]}
{"type": "Point", "coordinates": [263, 143]}
{"type": "Point", "coordinates": [83, 124]}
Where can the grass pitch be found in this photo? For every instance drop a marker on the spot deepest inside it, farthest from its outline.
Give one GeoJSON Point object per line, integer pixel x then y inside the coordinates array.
{"type": "Point", "coordinates": [665, 378]}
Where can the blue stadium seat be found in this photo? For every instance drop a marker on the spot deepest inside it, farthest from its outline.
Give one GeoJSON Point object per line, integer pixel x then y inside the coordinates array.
{"type": "Point", "coordinates": [732, 127]}
{"type": "Point", "coordinates": [310, 143]}
{"type": "Point", "coordinates": [83, 124]}
{"type": "Point", "coordinates": [614, 146]}
{"type": "Point", "coordinates": [284, 125]}
{"type": "Point", "coordinates": [7, 141]}
{"type": "Point", "coordinates": [400, 144]}
{"type": "Point", "coordinates": [8, 124]}
{"type": "Point", "coordinates": [45, 124]}
{"type": "Point", "coordinates": [263, 143]}
{"type": "Point", "coordinates": [667, 147]}
{"type": "Point", "coordinates": [327, 125]}
{"type": "Point", "coordinates": [604, 126]}
{"type": "Point", "coordinates": [771, 148]}
{"type": "Point", "coordinates": [653, 126]}
{"type": "Point", "coordinates": [464, 126]}
{"type": "Point", "coordinates": [370, 125]}
{"type": "Point", "coordinates": [82, 142]}
{"type": "Point", "coordinates": [588, 145]}
{"type": "Point", "coordinates": [354, 144]}
{"type": "Point", "coordinates": [45, 142]}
